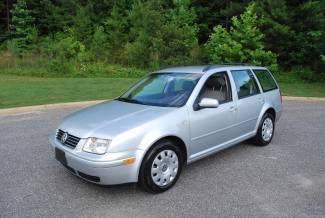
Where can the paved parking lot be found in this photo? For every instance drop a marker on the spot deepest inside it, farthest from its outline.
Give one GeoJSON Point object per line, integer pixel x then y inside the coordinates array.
{"type": "Point", "coordinates": [284, 179]}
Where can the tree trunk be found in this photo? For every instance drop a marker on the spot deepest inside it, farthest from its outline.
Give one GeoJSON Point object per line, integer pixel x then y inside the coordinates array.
{"type": "Point", "coordinates": [8, 18]}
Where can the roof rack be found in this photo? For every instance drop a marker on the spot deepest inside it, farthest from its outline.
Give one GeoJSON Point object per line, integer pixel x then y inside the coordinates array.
{"type": "Point", "coordinates": [212, 66]}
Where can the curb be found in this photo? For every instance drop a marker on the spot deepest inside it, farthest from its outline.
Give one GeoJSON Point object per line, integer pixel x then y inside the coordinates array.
{"type": "Point", "coordinates": [89, 103]}
{"type": "Point", "coordinates": [48, 107]}
{"type": "Point", "coordinates": [310, 99]}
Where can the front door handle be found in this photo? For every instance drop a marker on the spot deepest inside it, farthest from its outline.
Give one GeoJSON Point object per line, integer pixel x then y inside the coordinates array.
{"type": "Point", "coordinates": [261, 100]}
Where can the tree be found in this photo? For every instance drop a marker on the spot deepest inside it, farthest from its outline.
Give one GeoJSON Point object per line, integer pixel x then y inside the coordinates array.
{"type": "Point", "coordinates": [117, 29]}
{"type": "Point", "coordinates": [24, 32]}
{"type": "Point", "coordinates": [294, 30]}
{"type": "Point", "coordinates": [98, 47]}
{"type": "Point", "coordinates": [52, 16]}
{"type": "Point", "coordinates": [145, 37]}
{"type": "Point", "coordinates": [211, 12]}
{"type": "Point", "coordinates": [161, 35]}
{"type": "Point", "coordinates": [83, 27]}
{"type": "Point", "coordinates": [308, 40]}
{"type": "Point", "coordinates": [242, 43]}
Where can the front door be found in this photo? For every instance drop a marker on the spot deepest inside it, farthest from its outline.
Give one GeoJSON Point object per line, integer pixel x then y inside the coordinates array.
{"type": "Point", "coordinates": [210, 127]}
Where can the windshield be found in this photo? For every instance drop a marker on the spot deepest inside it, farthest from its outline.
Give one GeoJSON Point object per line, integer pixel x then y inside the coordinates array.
{"type": "Point", "coordinates": [162, 89]}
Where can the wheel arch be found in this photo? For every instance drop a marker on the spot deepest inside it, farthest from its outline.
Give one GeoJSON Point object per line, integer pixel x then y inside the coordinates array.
{"type": "Point", "coordinates": [271, 111]}
{"type": "Point", "coordinates": [266, 109]}
{"type": "Point", "coordinates": [178, 142]}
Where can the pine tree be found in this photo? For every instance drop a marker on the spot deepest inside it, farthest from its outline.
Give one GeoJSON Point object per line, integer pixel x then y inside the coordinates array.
{"type": "Point", "coordinates": [22, 23]}
{"type": "Point", "coordinates": [116, 27]}
{"type": "Point", "coordinates": [181, 34]}
{"type": "Point", "coordinates": [242, 43]}
{"type": "Point", "coordinates": [294, 30]}
{"type": "Point", "coordinates": [82, 26]}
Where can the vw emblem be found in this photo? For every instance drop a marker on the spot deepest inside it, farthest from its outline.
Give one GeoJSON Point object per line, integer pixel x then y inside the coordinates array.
{"type": "Point", "coordinates": [64, 137]}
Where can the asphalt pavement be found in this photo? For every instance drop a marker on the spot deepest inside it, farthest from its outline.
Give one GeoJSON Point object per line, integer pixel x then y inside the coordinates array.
{"type": "Point", "coordinates": [284, 179]}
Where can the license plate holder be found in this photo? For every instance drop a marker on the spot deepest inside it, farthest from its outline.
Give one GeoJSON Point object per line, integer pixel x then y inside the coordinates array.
{"type": "Point", "coordinates": [60, 156]}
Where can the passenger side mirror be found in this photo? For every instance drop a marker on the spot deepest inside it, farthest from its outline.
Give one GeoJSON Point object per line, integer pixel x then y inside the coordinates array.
{"type": "Point", "coordinates": [208, 103]}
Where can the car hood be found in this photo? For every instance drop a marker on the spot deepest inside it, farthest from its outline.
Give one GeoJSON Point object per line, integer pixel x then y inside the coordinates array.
{"type": "Point", "coordinates": [110, 118]}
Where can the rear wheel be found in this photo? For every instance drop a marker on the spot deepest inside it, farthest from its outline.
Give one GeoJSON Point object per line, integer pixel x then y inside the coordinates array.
{"type": "Point", "coordinates": [265, 130]}
{"type": "Point", "coordinates": [161, 167]}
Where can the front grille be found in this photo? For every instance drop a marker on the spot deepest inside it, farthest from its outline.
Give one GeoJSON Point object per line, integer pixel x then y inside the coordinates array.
{"type": "Point", "coordinates": [71, 140]}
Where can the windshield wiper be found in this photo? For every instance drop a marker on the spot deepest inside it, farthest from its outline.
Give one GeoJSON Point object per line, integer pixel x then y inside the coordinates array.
{"type": "Point", "coordinates": [130, 100]}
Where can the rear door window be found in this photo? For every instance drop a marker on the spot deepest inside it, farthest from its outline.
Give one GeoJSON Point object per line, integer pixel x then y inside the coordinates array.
{"type": "Point", "coordinates": [246, 84]}
{"type": "Point", "coordinates": [266, 80]}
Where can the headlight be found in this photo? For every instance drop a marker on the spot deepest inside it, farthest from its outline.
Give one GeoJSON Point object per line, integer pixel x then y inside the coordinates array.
{"type": "Point", "coordinates": [96, 146]}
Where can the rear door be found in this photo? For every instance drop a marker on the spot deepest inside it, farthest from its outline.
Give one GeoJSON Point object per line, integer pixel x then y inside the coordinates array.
{"type": "Point", "coordinates": [250, 101]}
{"type": "Point", "coordinates": [271, 92]}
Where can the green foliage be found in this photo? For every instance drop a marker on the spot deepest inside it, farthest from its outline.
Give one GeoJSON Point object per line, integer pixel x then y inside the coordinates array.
{"type": "Point", "coordinates": [219, 12]}
{"type": "Point", "coordinates": [82, 25]}
{"type": "Point", "coordinates": [98, 44]}
{"type": "Point", "coordinates": [322, 57]}
{"type": "Point", "coordinates": [44, 67]}
{"type": "Point", "coordinates": [305, 74]}
{"type": "Point", "coordinates": [116, 28]}
{"type": "Point", "coordinates": [145, 44]}
{"type": "Point", "coordinates": [156, 33]}
{"type": "Point", "coordinates": [181, 34]}
{"type": "Point", "coordinates": [67, 49]}
{"type": "Point", "coordinates": [242, 43]}
{"type": "Point", "coordinates": [294, 30]}
{"type": "Point", "coordinates": [162, 37]}
{"type": "Point", "coordinates": [24, 32]}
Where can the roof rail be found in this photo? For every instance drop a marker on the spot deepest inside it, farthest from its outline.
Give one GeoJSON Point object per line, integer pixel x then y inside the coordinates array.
{"type": "Point", "coordinates": [212, 66]}
{"type": "Point", "coordinates": [209, 67]}
{"type": "Point", "coordinates": [236, 63]}
{"type": "Point", "coordinates": [172, 66]}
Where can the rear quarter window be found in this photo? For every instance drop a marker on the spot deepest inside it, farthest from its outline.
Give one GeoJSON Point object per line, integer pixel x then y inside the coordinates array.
{"type": "Point", "coordinates": [266, 80]}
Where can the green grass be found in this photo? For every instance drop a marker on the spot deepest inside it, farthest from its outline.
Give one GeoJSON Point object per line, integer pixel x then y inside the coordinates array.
{"type": "Point", "coordinates": [303, 89]}
{"type": "Point", "coordinates": [18, 91]}
{"type": "Point", "coordinates": [37, 80]}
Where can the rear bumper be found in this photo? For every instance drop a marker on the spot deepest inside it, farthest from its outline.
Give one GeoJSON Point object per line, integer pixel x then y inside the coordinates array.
{"type": "Point", "coordinates": [106, 172]}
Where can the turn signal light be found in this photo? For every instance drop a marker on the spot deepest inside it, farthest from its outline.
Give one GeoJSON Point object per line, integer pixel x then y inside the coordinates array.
{"type": "Point", "coordinates": [128, 161]}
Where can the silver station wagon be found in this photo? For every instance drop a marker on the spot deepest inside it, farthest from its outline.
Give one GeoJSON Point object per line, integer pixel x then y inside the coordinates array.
{"type": "Point", "coordinates": [167, 120]}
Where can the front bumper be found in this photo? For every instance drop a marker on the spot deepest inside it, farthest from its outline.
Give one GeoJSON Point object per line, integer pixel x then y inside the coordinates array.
{"type": "Point", "coordinates": [106, 172]}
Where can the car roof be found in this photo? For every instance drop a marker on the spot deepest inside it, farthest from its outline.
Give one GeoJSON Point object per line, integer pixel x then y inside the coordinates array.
{"type": "Point", "coordinates": [205, 68]}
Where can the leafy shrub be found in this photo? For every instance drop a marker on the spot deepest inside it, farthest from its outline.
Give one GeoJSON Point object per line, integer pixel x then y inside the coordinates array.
{"type": "Point", "coordinates": [66, 51]}
{"type": "Point", "coordinates": [307, 75]}
{"type": "Point", "coordinates": [322, 57]}
{"type": "Point", "coordinates": [69, 49]}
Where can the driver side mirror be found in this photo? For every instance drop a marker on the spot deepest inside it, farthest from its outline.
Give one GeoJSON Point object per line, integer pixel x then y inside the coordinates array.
{"type": "Point", "coordinates": [208, 103]}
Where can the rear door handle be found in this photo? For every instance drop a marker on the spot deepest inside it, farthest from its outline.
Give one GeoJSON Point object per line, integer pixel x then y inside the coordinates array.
{"type": "Point", "coordinates": [233, 108]}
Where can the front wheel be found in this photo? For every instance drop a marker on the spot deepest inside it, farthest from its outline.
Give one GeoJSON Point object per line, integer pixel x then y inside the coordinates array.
{"type": "Point", "coordinates": [265, 130]}
{"type": "Point", "coordinates": [161, 167]}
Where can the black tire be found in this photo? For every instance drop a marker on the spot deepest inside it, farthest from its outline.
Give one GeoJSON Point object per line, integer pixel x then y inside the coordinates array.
{"type": "Point", "coordinates": [258, 139]}
{"type": "Point", "coordinates": [145, 179]}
